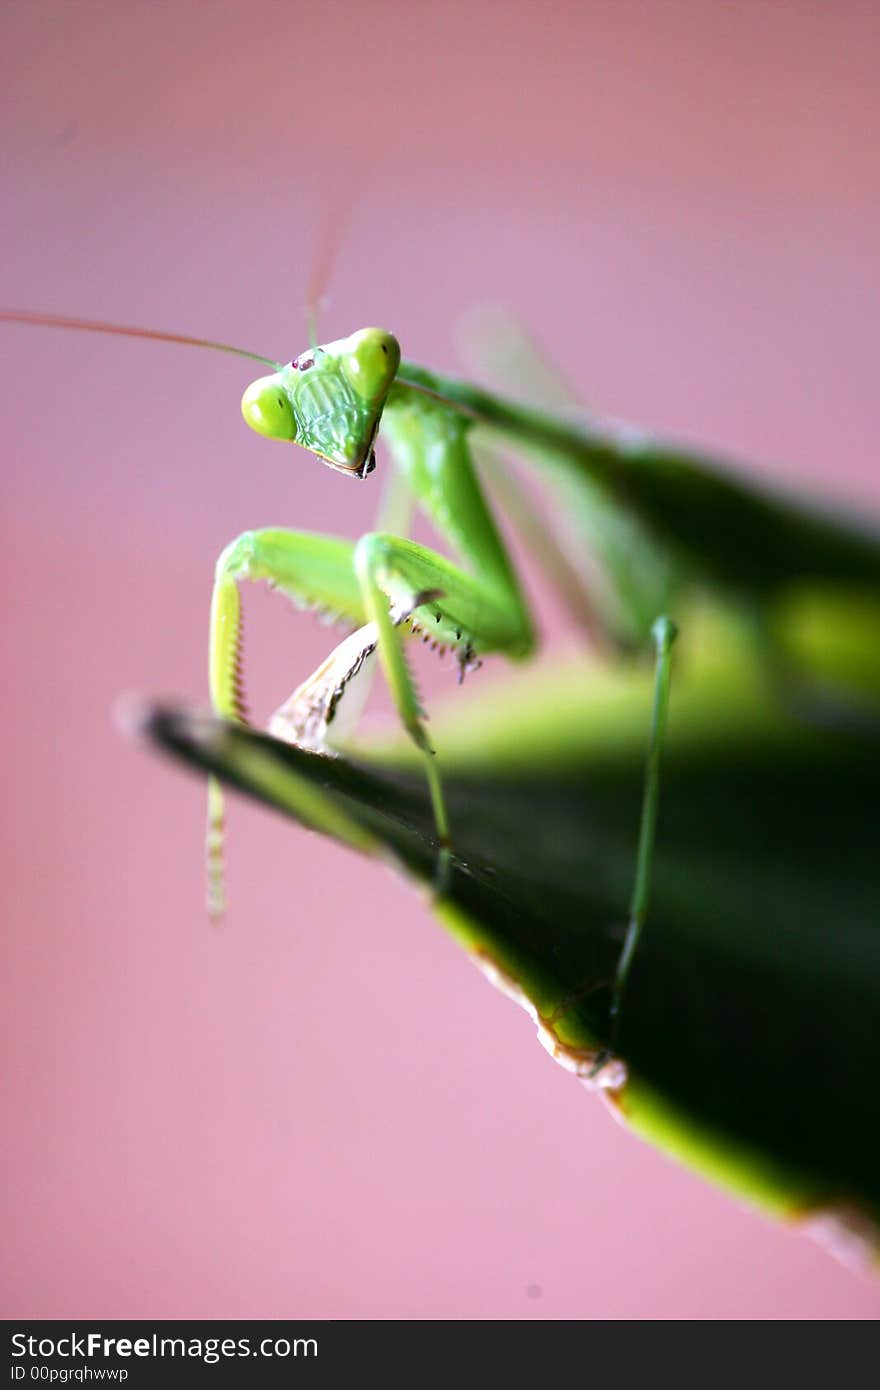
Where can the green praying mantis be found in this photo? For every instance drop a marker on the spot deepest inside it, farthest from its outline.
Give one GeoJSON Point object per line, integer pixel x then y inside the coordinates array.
{"type": "Point", "coordinates": [659, 524]}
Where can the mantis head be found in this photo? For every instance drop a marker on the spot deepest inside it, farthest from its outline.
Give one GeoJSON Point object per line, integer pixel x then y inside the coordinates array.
{"type": "Point", "coordinates": [329, 399]}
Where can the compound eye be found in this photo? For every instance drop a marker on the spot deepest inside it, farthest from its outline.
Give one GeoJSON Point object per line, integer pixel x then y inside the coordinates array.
{"type": "Point", "coordinates": [371, 363]}
{"type": "Point", "coordinates": [266, 408]}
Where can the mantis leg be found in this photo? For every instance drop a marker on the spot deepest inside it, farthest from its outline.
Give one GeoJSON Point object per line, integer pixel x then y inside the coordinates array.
{"type": "Point", "coordinates": [664, 633]}
{"type": "Point", "coordinates": [376, 586]}
{"type": "Point", "coordinates": [461, 611]}
{"type": "Point", "coordinates": [456, 608]}
{"type": "Point", "coordinates": [315, 572]}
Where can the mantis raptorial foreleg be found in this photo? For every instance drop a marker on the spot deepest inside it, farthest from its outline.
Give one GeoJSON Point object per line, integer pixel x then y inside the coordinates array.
{"type": "Point", "coordinates": [376, 585]}
{"type": "Point", "coordinates": [314, 571]}
{"type": "Point", "coordinates": [462, 612]}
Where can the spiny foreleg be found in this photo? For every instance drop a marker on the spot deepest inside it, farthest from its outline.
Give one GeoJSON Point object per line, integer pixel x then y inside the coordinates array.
{"type": "Point", "coordinates": [315, 572]}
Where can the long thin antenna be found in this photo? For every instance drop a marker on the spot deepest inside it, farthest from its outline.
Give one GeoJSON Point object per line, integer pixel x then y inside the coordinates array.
{"type": "Point", "coordinates": [328, 240]}
{"type": "Point", "coordinates": [332, 230]}
{"type": "Point", "coordinates": [123, 331]}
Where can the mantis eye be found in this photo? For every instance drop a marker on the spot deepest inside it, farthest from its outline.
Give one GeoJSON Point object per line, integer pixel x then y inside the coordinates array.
{"type": "Point", "coordinates": [370, 362]}
{"type": "Point", "coordinates": [266, 408]}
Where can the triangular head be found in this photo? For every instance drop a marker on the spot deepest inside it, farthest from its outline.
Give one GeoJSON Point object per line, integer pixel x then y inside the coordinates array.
{"type": "Point", "coordinates": [329, 399]}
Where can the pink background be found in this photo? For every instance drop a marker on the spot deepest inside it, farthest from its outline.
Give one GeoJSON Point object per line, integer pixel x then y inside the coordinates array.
{"type": "Point", "coordinates": [322, 1109]}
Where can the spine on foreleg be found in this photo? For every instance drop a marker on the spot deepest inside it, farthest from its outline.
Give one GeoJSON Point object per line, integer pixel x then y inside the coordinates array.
{"type": "Point", "coordinates": [227, 697]}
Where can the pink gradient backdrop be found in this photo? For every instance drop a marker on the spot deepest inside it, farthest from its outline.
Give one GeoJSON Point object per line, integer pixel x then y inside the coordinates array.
{"type": "Point", "coordinates": [322, 1109]}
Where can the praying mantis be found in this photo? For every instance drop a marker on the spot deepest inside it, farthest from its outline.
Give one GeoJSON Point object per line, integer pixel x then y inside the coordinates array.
{"type": "Point", "coordinates": [659, 523]}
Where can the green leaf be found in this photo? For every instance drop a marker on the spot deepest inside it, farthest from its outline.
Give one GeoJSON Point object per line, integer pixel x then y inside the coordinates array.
{"type": "Point", "coordinates": [749, 1033]}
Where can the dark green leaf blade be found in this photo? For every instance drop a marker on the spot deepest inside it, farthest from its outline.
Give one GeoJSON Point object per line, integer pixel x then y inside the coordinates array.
{"type": "Point", "coordinates": [749, 1035]}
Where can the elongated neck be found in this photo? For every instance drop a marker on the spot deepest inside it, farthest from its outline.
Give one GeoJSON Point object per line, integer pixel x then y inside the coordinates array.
{"type": "Point", "coordinates": [566, 441]}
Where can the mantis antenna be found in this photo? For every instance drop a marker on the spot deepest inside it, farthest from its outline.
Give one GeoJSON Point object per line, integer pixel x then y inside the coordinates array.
{"type": "Point", "coordinates": [332, 228]}
{"type": "Point", "coordinates": [125, 331]}
{"type": "Point", "coordinates": [122, 330]}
